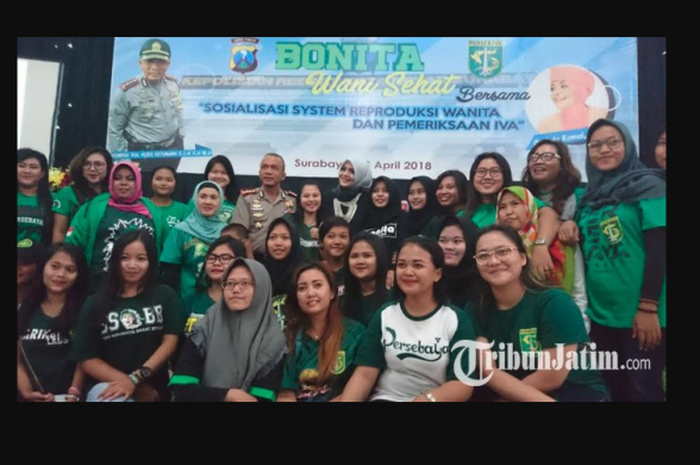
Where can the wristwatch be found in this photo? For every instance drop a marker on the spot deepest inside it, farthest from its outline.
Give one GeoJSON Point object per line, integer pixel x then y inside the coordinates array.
{"type": "Point", "coordinates": [540, 241]}
{"type": "Point", "coordinates": [134, 379]}
{"type": "Point", "coordinates": [144, 372]}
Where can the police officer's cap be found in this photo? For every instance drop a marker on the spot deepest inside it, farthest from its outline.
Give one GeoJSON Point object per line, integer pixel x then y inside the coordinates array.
{"type": "Point", "coordinates": [155, 49]}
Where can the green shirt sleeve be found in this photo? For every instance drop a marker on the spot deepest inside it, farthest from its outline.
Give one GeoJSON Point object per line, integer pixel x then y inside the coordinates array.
{"type": "Point", "coordinates": [371, 352]}
{"type": "Point", "coordinates": [466, 330]}
{"type": "Point", "coordinates": [172, 250]}
{"type": "Point", "coordinates": [561, 321]}
{"type": "Point", "coordinates": [65, 201]}
{"type": "Point", "coordinates": [653, 213]}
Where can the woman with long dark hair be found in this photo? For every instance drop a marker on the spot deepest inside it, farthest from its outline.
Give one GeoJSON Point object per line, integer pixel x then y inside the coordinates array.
{"type": "Point", "coordinates": [306, 220]}
{"type": "Point", "coordinates": [407, 349]}
{"type": "Point", "coordinates": [366, 267]}
{"type": "Point", "coordinates": [34, 200]}
{"type": "Point", "coordinates": [518, 313]}
{"type": "Point", "coordinates": [321, 343]}
{"type": "Point", "coordinates": [282, 257]}
{"type": "Point", "coordinates": [163, 185]}
{"type": "Point", "coordinates": [128, 330]}
{"type": "Point", "coordinates": [45, 325]}
{"type": "Point", "coordinates": [89, 171]}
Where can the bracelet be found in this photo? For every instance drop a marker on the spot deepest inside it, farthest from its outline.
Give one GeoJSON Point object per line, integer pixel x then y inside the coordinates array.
{"type": "Point", "coordinates": [646, 310]}
{"type": "Point", "coordinates": [430, 396]}
{"type": "Point", "coordinates": [73, 397]}
{"type": "Point", "coordinates": [74, 391]}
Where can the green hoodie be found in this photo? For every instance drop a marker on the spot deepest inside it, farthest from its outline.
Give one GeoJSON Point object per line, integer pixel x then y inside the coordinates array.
{"type": "Point", "coordinates": [84, 226]}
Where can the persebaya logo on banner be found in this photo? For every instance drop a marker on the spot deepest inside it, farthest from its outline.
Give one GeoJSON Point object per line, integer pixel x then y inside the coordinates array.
{"type": "Point", "coordinates": [486, 58]}
{"type": "Point", "coordinates": [612, 230]}
{"type": "Point", "coordinates": [244, 57]}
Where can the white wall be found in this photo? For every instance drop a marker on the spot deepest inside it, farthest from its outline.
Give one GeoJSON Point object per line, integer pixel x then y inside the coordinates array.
{"type": "Point", "coordinates": [37, 103]}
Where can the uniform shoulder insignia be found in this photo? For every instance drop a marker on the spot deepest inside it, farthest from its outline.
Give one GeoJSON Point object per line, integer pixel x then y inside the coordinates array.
{"type": "Point", "coordinates": [290, 193]}
{"type": "Point", "coordinates": [129, 84]}
{"type": "Point", "coordinates": [172, 79]}
{"type": "Point", "coordinates": [246, 192]}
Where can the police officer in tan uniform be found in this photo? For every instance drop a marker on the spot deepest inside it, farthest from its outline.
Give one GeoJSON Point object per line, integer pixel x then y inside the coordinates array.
{"type": "Point", "coordinates": [259, 207]}
{"type": "Point", "coordinates": [147, 111]}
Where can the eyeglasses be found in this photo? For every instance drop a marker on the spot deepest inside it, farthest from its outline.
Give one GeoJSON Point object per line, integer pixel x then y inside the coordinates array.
{"type": "Point", "coordinates": [223, 258]}
{"type": "Point", "coordinates": [98, 165]}
{"type": "Point", "coordinates": [231, 285]}
{"type": "Point", "coordinates": [544, 156]}
{"type": "Point", "coordinates": [612, 143]}
{"type": "Point", "coordinates": [495, 172]}
{"type": "Point", "coordinates": [482, 258]}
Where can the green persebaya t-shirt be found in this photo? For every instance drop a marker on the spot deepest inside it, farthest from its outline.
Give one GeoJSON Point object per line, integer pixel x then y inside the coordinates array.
{"type": "Point", "coordinates": [301, 367]}
{"type": "Point", "coordinates": [225, 214]}
{"type": "Point", "coordinates": [174, 213]}
{"type": "Point", "coordinates": [48, 354]}
{"type": "Point", "coordinates": [30, 221]}
{"type": "Point", "coordinates": [613, 250]}
{"type": "Point", "coordinates": [362, 311]}
{"type": "Point", "coordinates": [114, 223]}
{"type": "Point", "coordinates": [189, 252]}
{"type": "Point", "coordinates": [66, 203]}
{"type": "Point", "coordinates": [540, 321]}
{"type": "Point", "coordinates": [128, 333]}
{"type": "Point", "coordinates": [196, 306]}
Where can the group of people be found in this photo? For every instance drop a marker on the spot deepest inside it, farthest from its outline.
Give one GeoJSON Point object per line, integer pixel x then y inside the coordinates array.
{"type": "Point", "coordinates": [268, 295]}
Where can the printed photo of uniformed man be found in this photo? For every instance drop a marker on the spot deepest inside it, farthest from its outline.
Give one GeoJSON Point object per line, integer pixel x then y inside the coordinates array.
{"type": "Point", "coordinates": [146, 114]}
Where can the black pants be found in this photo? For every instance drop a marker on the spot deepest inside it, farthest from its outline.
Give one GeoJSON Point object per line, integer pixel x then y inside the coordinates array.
{"type": "Point", "coordinates": [148, 165]}
{"type": "Point", "coordinates": [631, 385]}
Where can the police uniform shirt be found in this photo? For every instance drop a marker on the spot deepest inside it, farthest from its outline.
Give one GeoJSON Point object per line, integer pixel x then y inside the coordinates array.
{"type": "Point", "coordinates": [149, 114]}
{"type": "Point", "coordinates": [256, 211]}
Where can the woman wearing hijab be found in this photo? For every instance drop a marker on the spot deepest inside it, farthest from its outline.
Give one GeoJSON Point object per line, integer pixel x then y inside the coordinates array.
{"type": "Point", "coordinates": [622, 223]}
{"type": "Point", "coordinates": [236, 352]}
{"type": "Point", "coordinates": [571, 86]}
{"type": "Point", "coordinates": [186, 246]}
{"type": "Point", "coordinates": [518, 209]}
{"type": "Point", "coordinates": [423, 206]}
{"type": "Point", "coordinates": [457, 238]}
{"type": "Point", "coordinates": [350, 200]}
{"type": "Point", "coordinates": [384, 218]}
{"type": "Point", "coordinates": [283, 256]}
{"type": "Point", "coordinates": [102, 220]}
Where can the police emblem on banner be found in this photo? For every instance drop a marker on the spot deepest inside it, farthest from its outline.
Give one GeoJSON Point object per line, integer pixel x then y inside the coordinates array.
{"type": "Point", "coordinates": [244, 57]}
{"type": "Point", "coordinates": [486, 58]}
